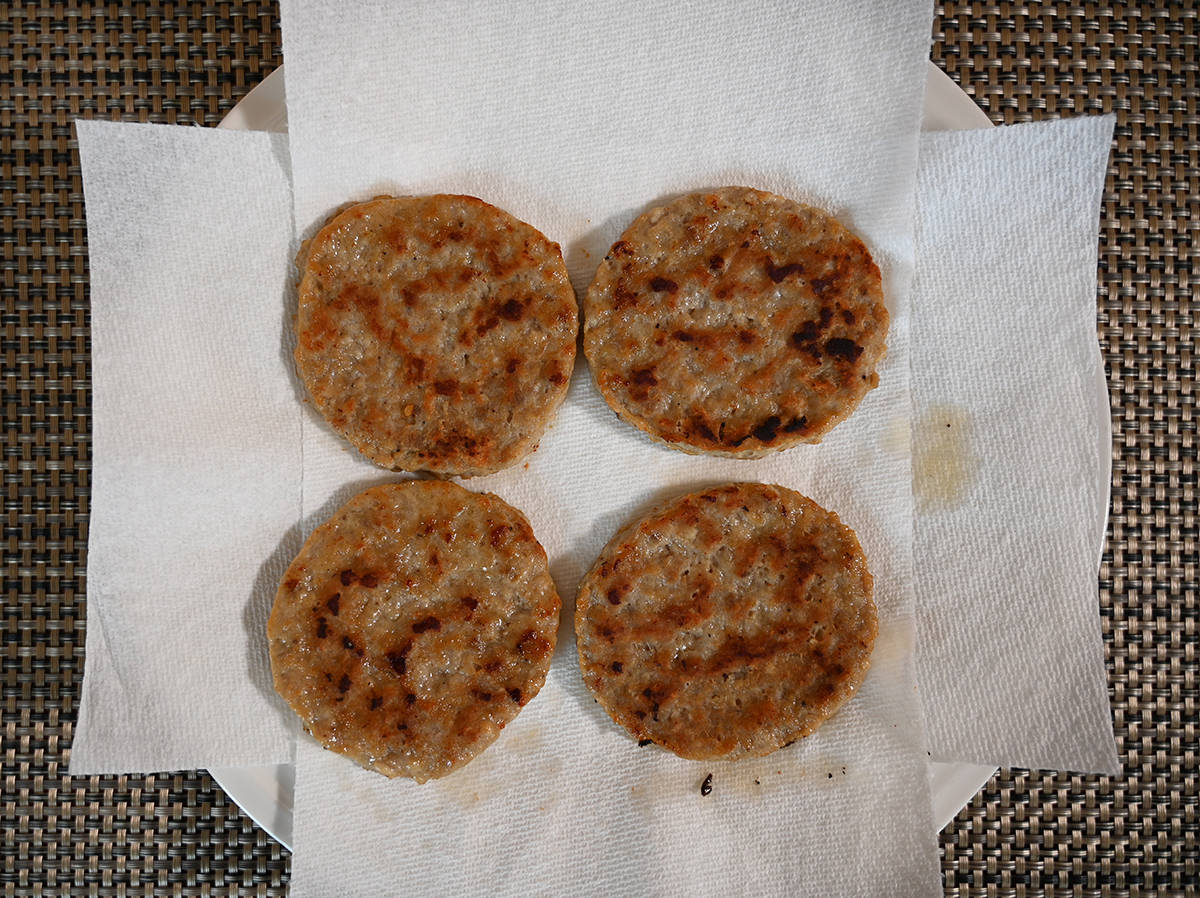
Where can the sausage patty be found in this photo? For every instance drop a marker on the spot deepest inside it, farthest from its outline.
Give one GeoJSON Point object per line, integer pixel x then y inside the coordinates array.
{"type": "Point", "coordinates": [727, 623]}
{"type": "Point", "coordinates": [735, 323]}
{"type": "Point", "coordinates": [435, 333]}
{"type": "Point", "coordinates": [413, 625]}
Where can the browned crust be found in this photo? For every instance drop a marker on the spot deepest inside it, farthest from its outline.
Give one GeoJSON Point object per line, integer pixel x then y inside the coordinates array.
{"type": "Point", "coordinates": [413, 626]}
{"type": "Point", "coordinates": [727, 623]}
{"type": "Point", "coordinates": [735, 322]}
{"type": "Point", "coordinates": [435, 333]}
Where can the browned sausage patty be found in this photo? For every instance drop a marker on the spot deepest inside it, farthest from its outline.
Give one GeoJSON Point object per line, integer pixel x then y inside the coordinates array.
{"type": "Point", "coordinates": [413, 625]}
{"type": "Point", "coordinates": [435, 333]}
{"type": "Point", "coordinates": [727, 623]}
{"type": "Point", "coordinates": [735, 323]}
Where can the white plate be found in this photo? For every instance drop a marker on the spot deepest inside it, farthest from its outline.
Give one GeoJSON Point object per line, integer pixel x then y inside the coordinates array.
{"type": "Point", "coordinates": [265, 793]}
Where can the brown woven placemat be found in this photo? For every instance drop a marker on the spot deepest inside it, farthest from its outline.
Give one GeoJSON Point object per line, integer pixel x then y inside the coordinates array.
{"type": "Point", "coordinates": [1026, 833]}
{"type": "Point", "coordinates": [1036, 832]}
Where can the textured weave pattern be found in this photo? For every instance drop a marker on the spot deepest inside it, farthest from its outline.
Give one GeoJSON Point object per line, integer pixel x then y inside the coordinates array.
{"type": "Point", "coordinates": [1035, 833]}
{"type": "Point", "coordinates": [1026, 833]}
{"type": "Point", "coordinates": [173, 834]}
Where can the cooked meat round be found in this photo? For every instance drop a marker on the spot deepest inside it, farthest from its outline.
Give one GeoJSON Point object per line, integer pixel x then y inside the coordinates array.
{"type": "Point", "coordinates": [435, 333]}
{"type": "Point", "coordinates": [413, 625]}
{"type": "Point", "coordinates": [727, 623]}
{"type": "Point", "coordinates": [735, 323]}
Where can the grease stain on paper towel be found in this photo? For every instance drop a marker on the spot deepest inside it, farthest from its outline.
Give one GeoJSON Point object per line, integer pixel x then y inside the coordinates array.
{"type": "Point", "coordinates": [943, 459]}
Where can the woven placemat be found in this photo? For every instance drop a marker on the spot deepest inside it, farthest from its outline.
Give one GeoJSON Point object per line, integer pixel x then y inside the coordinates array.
{"type": "Point", "coordinates": [1026, 833]}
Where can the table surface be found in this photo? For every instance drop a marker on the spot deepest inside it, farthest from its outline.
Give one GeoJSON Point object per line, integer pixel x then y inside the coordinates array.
{"type": "Point", "coordinates": [1027, 832]}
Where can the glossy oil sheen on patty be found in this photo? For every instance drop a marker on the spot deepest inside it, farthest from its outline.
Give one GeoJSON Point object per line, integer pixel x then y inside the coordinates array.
{"type": "Point", "coordinates": [435, 333]}
{"type": "Point", "coordinates": [413, 625]}
{"type": "Point", "coordinates": [735, 323]}
{"type": "Point", "coordinates": [727, 623]}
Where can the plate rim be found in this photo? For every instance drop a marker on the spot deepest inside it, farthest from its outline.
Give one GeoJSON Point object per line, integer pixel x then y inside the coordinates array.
{"type": "Point", "coordinates": [265, 792]}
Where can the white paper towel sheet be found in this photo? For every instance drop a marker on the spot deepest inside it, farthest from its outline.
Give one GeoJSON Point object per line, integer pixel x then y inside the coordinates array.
{"type": "Point", "coordinates": [195, 441]}
{"type": "Point", "coordinates": [576, 118]}
{"type": "Point", "coordinates": [196, 501]}
{"type": "Point", "coordinates": [1008, 478]}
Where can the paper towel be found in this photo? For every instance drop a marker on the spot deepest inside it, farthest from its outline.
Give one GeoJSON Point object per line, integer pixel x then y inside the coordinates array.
{"type": "Point", "coordinates": [1009, 482]}
{"type": "Point", "coordinates": [195, 441]}
{"type": "Point", "coordinates": [576, 118]}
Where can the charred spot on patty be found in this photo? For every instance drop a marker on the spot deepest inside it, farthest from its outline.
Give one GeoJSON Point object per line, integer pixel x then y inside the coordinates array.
{"type": "Point", "coordinates": [842, 348]}
{"type": "Point", "coordinates": [778, 274]}
{"type": "Point", "coordinates": [396, 661]}
{"type": "Point", "coordinates": [697, 427]}
{"type": "Point", "coordinates": [512, 310]}
{"type": "Point", "coordinates": [809, 331]}
{"type": "Point", "coordinates": [821, 285]}
{"type": "Point", "coordinates": [426, 624]}
{"type": "Point", "coordinates": [768, 429]}
{"type": "Point", "coordinates": [644, 377]}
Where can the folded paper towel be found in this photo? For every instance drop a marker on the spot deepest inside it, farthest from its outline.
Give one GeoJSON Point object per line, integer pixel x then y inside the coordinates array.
{"type": "Point", "coordinates": [195, 441]}
{"type": "Point", "coordinates": [576, 121]}
{"type": "Point", "coordinates": [1008, 477]}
